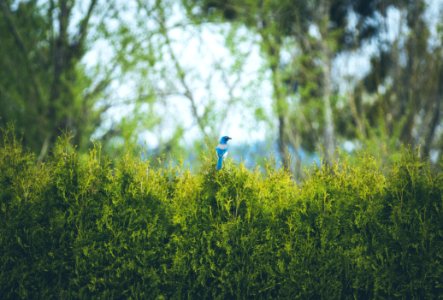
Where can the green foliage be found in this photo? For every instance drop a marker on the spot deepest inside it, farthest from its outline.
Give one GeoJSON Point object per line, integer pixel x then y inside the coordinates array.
{"type": "Point", "coordinates": [82, 226]}
{"type": "Point", "coordinates": [47, 86]}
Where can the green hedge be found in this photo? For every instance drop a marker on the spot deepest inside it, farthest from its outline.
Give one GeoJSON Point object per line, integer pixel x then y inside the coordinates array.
{"type": "Point", "coordinates": [84, 227]}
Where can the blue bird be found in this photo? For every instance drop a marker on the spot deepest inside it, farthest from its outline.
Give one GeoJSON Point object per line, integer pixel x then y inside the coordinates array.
{"type": "Point", "coordinates": [222, 150]}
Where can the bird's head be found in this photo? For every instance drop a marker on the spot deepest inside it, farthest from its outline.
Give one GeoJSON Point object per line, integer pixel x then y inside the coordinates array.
{"type": "Point", "coordinates": [225, 139]}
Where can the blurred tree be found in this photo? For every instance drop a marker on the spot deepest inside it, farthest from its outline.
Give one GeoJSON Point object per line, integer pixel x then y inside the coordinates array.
{"type": "Point", "coordinates": [311, 33]}
{"type": "Point", "coordinates": [188, 100]}
{"type": "Point", "coordinates": [44, 89]}
{"type": "Point", "coordinates": [402, 95]}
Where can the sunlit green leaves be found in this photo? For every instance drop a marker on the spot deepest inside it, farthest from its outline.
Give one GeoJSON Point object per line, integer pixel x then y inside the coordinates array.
{"type": "Point", "coordinates": [82, 226]}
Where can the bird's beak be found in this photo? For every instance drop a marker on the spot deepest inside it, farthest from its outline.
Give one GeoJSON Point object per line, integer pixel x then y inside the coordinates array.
{"type": "Point", "coordinates": [229, 138]}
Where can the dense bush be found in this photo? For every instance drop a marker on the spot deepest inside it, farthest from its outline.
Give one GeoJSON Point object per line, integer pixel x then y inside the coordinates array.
{"type": "Point", "coordinates": [86, 227]}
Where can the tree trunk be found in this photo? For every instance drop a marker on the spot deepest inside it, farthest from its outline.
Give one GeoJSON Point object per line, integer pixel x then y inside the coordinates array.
{"type": "Point", "coordinates": [326, 85]}
{"type": "Point", "coordinates": [271, 45]}
{"type": "Point", "coordinates": [329, 134]}
{"type": "Point", "coordinates": [280, 107]}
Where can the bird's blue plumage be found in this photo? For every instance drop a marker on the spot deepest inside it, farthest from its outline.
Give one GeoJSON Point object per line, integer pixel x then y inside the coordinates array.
{"type": "Point", "coordinates": [219, 163]}
{"type": "Point", "coordinates": [222, 151]}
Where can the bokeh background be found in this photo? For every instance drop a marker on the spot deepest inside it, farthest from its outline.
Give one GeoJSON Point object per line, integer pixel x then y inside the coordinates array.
{"type": "Point", "coordinates": [289, 80]}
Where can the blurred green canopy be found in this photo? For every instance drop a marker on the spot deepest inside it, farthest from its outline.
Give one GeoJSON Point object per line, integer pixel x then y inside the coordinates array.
{"type": "Point", "coordinates": [171, 76]}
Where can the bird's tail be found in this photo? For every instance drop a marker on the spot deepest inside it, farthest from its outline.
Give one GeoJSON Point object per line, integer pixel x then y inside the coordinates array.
{"type": "Point", "coordinates": [219, 162]}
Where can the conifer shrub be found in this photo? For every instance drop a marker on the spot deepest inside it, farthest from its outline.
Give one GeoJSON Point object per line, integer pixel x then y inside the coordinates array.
{"type": "Point", "coordinates": [85, 227]}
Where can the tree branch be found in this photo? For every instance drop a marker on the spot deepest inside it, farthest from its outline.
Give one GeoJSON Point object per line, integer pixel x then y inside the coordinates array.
{"type": "Point", "coordinates": [182, 78]}
{"type": "Point", "coordinates": [83, 30]}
